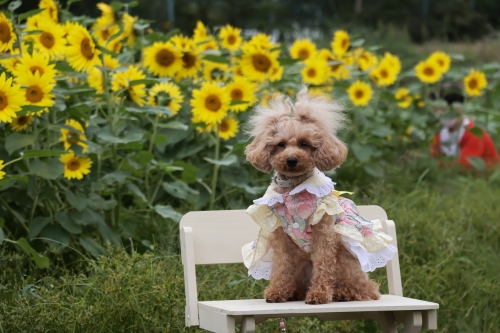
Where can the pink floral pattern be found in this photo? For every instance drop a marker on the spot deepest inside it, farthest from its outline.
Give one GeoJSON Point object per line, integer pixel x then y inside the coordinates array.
{"type": "Point", "coordinates": [352, 219]}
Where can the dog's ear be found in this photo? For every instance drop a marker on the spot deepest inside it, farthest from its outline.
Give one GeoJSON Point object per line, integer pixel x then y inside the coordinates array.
{"type": "Point", "coordinates": [258, 154]}
{"type": "Point", "coordinates": [330, 153]}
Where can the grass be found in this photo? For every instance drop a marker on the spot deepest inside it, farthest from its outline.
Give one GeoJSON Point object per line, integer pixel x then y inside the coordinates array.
{"type": "Point", "coordinates": [448, 235]}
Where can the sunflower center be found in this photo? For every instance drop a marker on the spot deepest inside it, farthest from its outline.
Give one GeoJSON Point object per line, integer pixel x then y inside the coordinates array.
{"type": "Point", "coordinates": [473, 84]}
{"type": "Point", "coordinates": [47, 39]}
{"type": "Point", "coordinates": [163, 99]}
{"type": "Point", "coordinates": [384, 74]}
{"type": "Point", "coordinates": [5, 35]}
{"type": "Point", "coordinates": [261, 63]}
{"type": "Point", "coordinates": [213, 103]}
{"type": "Point", "coordinates": [22, 120]}
{"type": "Point", "coordinates": [311, 72]}
{"type": "Point", "coordinates": [224, 126]}
{"type": "Point", "coordinates": [34, 94]}
{"type": "Point", "coordinates": [359, 94]}
{"type": "Point", "coordinates": [304, 54]}
{"type": "Point", "coordinates": [73, 138]}
{"type": "Point", "coordinates": [440, 62]}
{"type": "Point", "coordinates": [236, 94]}
{"type": "Point", "coordinates": [165, 58]}
{"type": "Point", "coordinates": [33, 69]}
{"type": "Point", "coordinates": [3, 100]}
{"type": "Point", "coordinates": [87, 49]}
{"type": "Point", "coordinates": [345, 43]}
{"type": "Point", "coordinates": [105, 34]}
{"type": "Point", "coordinates": [429, 71]}
{"type": "Point", "coordinates": [189, 60]}
{"type": "Point", "coordinates": [73, 164]}
{"type": "Point", "coordinates": [231, 39]}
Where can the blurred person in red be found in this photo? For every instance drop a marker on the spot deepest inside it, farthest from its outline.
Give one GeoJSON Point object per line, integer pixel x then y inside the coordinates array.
{"type": "Point", "coordinates": [456, 139]}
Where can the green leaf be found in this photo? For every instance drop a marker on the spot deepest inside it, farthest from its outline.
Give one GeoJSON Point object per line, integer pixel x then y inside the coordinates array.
{"type": "Point", "coordinates": [362, 152]}
{"type": "Point", "coordinates": [77, 200]}
{"type": "Point", "coordinates": [375, 170]}
{"type": "Point", "coordinates": [96, 202]}
{"type": "Point", "coordinates": [24, 16]}
{"type": "Point", "coordinates": [228, 160]}
{"type": "Point", "coordinates": [55, 236]}
{"type": "Point", "coordinates": [118, 177]}
{"type": "Point", "coordinates": [63, 66]}
{"type": "Point", "coordinates": [51, 169]}
{"type": "Point", "coordinates": [14, 5]}
{"type": "Point", "coordinates": [180, 190]}
{"type": "Point", "coordinates": [495, 176]}
{"type": "Point", "coordinates": [216, 58]}
{"type": "Point", "coordinates": [2, 222]}
{"type": "Point", "coordinates": [2, 236]}
{"type": "Point", "coordinates": [72, 2]}
{"type": "Point", "coordinates": [143, 157]}
{"type": "Point", "coordinates": [26, 109]}
{"type": "Point", "coordinates": [133, 4]}
{"type": "Point", "coordinates": [238, 102]}
{"type": "Point", "coordinates": [143, 81]}
{"type": "Point", "coordinates": [456, 56]}
{"type": "Point", "coordinates": [171, 33]}
{"type": "Point", "coordinates": [116, 5]}
{"type": "Point", "coordinates": [106, 136]}
{"type": "Point", "coordinates": [39, 260]}
{"type": "Point", "coordinates": [134, 189]}
{"type": "Point", "coordinates": [288, 61]}
{"type": "Point", "coordinates": [168, 212]}
{"type": "Point", "coordinates": [381, 131]}
{"type": "Point", "coordinates": [92, 246]}
{"type": "Point", "coordinates": [17, 141]}
{"type": "Point", "coordinates": [357, 42]}
{"type": "Point", "coordinates": [477, 163]}
{"type": "Point", "coordinates": [150, 109]}
{"type": "Point", "coordinates": [109, 234]}
{"type": "Point", "coordinates": [106, 51]}
{"type": "Point", "coordinates": [42, 153]}
{"type": "Point", "coordinates": [189, 172]}
{"type": "Point", "coordinates": [67, 223]}
{"type": "Point", "coordinates": [476, 131]}
{"type": "Point", "coordinates": [174, 125]}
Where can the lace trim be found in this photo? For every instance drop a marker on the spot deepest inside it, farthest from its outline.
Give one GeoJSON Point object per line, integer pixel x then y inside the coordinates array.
{"type": "Point", "coordinates": [369, 260]}
{"type": "Point", "coordinates": [272, 200]}
{"type": "Point", "coordinates": [261, 270]}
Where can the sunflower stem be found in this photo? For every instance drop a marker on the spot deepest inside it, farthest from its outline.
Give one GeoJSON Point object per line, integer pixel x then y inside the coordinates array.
{"type": "Point", "coordinates": [155, 132]}
{"type": "Point", "coordinates": [216, 169]}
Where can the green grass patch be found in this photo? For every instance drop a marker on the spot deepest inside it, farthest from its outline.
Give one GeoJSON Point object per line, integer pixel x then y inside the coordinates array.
{"type": "Point", "coordinates": [448, 235]}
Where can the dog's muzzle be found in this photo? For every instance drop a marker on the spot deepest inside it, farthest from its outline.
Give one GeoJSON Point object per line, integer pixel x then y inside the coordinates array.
{"type": "Point", "coordinates": [291, 162]}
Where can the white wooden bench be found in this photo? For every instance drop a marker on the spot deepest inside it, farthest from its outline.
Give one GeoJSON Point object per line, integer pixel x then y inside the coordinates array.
{"type": "Point", "coordinates": [216, 237]}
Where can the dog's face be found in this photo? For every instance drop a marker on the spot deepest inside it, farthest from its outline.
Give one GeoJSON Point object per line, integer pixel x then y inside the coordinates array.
{"type": "Point", "coordinates": [295, 144]}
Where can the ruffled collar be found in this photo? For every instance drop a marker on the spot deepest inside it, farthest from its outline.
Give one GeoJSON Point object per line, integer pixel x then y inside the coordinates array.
{"type": "Point", "coordinates": [318, 184]}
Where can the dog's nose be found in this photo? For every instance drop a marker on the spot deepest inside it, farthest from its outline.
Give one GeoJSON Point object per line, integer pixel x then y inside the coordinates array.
{"type": "Point", "coordinates": [291, 161]}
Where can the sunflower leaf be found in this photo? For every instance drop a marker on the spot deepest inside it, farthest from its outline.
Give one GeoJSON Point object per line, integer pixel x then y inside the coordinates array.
{"type": "Point", "coordinates": [288, 61]}
{"type": "Point", "coordinates": [168, 212]}
{"type": "Point", "coordinates": [106, 51]}
{"type": "Point", "coordinates": [14, 5]}
{"type": "Point", "coordinates": [42, 153]}
{"type": "Point", "coordinates": [115, 36]}
{"type": "Point", "coordinates": [51, 169]}
{"type": "Point", "coordinates": [216, 58]}
{"type": "Point", "coordinates": [143, 81]}
{"type": "Point", "coordinates": [171, 33]}
{"type": "Point", "coordinates": [30, 108]}
{"type": "Point", "coordinates": [39, 260]}
{"type": "Point", "coordinates": [17, 141]}
{"type": "Point", "coordinates": [33, 12]}
{"type": "Point", "coordinates": [238, 102]}
{"type": "Point", "coordinates": [228, 160]}
{"type": "Point", "coordinates": [133, 4]}
{"type": "Point", "coordinates": [358, 42]}
{"type": "Point", "coordinates": [116, 5]}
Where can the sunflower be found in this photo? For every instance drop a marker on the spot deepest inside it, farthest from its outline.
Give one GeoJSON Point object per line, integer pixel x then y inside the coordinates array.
{"type": "Point", "coordinates": [107, 12]}
{"type": "Point", "coordinates": [2, 174]}
{"type": "Point", "coordinates": [104, 29]}
{"type": "Point", "coordinates": [182, 42]}
{"type": "Point", "coordinates": [96, 78]}
{"type": "Point", "coordinates": [428, 72]}
{"type": "Point", "coordinates": [392, 61]}
{"type": "Point", "coordinates": [21, 123]}
{"type": "Point", "coordinates": [7, 36]}
{"type": "Point", "coordinates": [303, 49]}
{"type": "Point", "coordinates": [73, 136]}
{"type": "Point", "coordinates": [11, 99]}
{"type": "Point", "coordinates": [315, 71]}
{"type": "Point", "coordinates": [360, 93]}
{"type": "Point", "coordinates": [32, 22]}
{"type": "Point", "coordinates": [230, 37]}
{"type": "Point", "coordinates": [200, 32]}
{"type": "Point", "coordinates": [385, 75]}
{"type": "Point", "coordinates": [121, 80]}
{"type": "Point", "coordinates": [38, 88]}
{"type": "Point", "coordinates": [475, 82]}
{"type": "Point", "coordinates": [36, 62]}
{"type": "Point", "coordinates": [403, 95]}
{"type": "Point", "coordinates": [276, 73]}
{"type": "Point", "coordinates": [51, 40]}
{"type": "Point", "coordinates": [166, 94]}
{"type": "Point", "coordinates": [418, 100]}
{"type": "Point", "coordinates": [208, 44]}
{"type": "Point", "coordinates": [50, 11]}
{"type": "Point", "coordinates": [266, 100]}
{"type": "Point", "coordinates": [442, 60]}
{"type": "Point", "coordinates": [128, 29]}
{"type": "Point", "coordinates": [228, 128]}
{"type": "Point", "coordinates": [191, 62]}
{"type": "Point", "coordinates": [240, 89]}
{"type": "Point", "coordinates": [74, 166]}
{"type": "Point", "coordinates": [214, 71]}
{"type": "Point", "coordinates": [262, 42]}
{"type": "Point", "coordinates": [256, 64]}
{"type": "Point", "coordinates": [163, 59]}
{"type": "Point", "coordinates": [210, 103]}
{"type": "Point", "coordinates": [340, 42]}
{"type": "Point", "coordinates": [325, 92]}
{"type": "Point", "coordinates": [10, 64]}
{"type": "Point", "coordinates": [366, 60]}
{"type": "Point", "coordinates": [82, 53]}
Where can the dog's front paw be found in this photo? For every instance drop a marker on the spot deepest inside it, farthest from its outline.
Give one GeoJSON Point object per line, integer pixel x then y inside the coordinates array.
{"type": "Point", "coordinates": [274, 296]}
{"type": "Point", "coordinates": [317, 297]}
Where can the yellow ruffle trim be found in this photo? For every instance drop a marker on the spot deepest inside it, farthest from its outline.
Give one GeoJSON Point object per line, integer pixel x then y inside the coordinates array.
{"type": "Point", "coordinates": [371, 243]}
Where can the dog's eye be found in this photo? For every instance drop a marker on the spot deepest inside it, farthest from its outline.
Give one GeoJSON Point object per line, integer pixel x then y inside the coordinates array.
{"type": "Point", "coordinates": [303, 144]}
{"type": "Point", "coordinates": [281, 144]}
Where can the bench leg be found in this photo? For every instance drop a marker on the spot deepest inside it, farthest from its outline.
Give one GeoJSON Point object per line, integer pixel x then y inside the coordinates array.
{"type": "Point", "coordinates": [216, 322]}
{"type": "Point", "coordinates": [387, 322]}
{"type": "Point", "coordinates": [248, 324]}
{"type": "Point", "coordinates": [413, 322]}
{"type": "Point", "coordinates": [429, 319]}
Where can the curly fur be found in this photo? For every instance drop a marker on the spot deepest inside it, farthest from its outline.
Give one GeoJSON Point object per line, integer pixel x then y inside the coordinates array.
{"type": "Point", "coordinates": [306, 130]}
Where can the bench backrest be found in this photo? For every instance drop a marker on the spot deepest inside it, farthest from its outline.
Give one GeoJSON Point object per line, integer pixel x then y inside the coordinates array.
{"type": "Point", "coordinates": [216, 237]}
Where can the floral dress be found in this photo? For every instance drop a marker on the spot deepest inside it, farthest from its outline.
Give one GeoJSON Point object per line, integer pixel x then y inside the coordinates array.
{"type": "Point", "coordinates": [299, 210]}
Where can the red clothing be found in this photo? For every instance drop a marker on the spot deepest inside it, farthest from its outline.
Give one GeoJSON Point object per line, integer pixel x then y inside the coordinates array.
{"type": "Point", "coordinates": [470, 146]}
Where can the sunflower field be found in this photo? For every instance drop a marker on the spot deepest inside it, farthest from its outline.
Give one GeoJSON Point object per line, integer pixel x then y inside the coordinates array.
{"type": "Point", "coordinates": [106, 124]}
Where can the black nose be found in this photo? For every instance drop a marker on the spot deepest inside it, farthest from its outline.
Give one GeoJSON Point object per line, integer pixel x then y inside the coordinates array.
{"type": "Point", "coordinates": [291, 161]}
